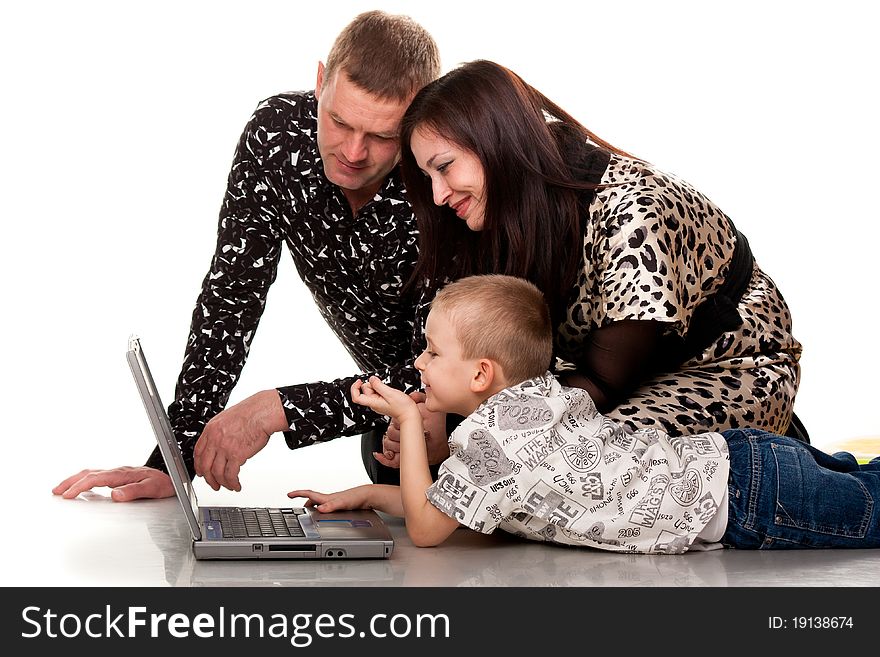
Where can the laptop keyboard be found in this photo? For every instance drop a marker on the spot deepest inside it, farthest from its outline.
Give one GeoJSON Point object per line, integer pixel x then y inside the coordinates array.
{"type": "Point", "coordinates": [256, 523]}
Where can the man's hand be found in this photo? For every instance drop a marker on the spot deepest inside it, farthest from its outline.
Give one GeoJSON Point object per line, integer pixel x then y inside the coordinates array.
{"type": "Point", "coordinates": [233, 436]}
{"type": "Point", "coordinates": [436, 439]}
{"type": "Point", "coordinates": [127, 483]}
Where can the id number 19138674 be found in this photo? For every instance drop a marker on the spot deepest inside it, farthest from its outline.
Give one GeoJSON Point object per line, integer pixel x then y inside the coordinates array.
{"type": "Point", "coordinates": [810, 623]}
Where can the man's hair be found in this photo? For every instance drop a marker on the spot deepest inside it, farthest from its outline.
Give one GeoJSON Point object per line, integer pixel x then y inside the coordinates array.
{"type": "Point", "coordinates": [502, 318]}
{"type": "Point", "coordinates": [388, 56]}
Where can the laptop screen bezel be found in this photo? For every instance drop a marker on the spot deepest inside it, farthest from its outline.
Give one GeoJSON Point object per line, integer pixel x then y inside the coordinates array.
{"type": "Point", "coordinates": [170, 450]}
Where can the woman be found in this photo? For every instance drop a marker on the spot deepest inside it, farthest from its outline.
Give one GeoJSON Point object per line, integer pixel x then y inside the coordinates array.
{"type": "Point", "coordinates": [661, 313]}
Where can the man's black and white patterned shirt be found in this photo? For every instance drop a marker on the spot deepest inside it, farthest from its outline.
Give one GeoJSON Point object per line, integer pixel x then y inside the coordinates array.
{"type": "Point", "coordinates": [354, 265]}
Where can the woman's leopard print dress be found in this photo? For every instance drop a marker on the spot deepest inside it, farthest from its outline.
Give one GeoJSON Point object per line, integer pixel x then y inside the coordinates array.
{"type": "Point", "coordinates": [654, 248]}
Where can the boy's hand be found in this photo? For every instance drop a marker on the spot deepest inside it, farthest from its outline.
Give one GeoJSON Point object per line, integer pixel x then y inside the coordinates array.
{"type": "Point", "coordinates": [353, 498]}
{"type": "Point", "coordinates": [384, 399]}
{"type": "Point", "coordinates": [435, 436]}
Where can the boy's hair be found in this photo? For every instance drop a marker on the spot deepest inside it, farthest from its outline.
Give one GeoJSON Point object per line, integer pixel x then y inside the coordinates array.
{"type": "Point", "coordinates": [388, 56]}
{"type": "Point", "coordinates": [502, 318]}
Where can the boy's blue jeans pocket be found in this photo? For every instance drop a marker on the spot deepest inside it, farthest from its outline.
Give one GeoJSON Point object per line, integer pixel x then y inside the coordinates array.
{"type": "Point", "coordinates": [787, 494]}
{"type": "Point", "coordinates": [818, 499]}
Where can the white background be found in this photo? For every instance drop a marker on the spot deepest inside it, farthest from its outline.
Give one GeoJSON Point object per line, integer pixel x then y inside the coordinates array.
{"type": "Point", "coordinates": [119, 123]}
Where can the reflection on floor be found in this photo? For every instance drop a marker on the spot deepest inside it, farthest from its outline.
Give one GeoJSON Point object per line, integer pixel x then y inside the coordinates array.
{"type": "Point", "coordinates": [471, 559]}
{"type": "Point", "coordinates": [148, 543]}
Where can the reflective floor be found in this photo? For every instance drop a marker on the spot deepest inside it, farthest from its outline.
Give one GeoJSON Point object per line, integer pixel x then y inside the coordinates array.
{"type": "Point", "coordinates": [148, 544]}
{"type": "Point", "coordinates": [97, 542]}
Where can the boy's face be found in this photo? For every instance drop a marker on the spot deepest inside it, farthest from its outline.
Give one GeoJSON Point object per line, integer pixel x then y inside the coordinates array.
{"type": "Point", "coordinates": [445, 374]}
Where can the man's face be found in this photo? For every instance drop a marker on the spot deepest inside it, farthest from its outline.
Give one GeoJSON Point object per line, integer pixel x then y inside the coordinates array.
{"type": "Point", "coordinates": [358, 134]}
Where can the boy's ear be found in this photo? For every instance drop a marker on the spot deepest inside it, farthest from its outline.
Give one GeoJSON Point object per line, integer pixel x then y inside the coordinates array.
{"type": "Point", "coordinates": [484, 376]}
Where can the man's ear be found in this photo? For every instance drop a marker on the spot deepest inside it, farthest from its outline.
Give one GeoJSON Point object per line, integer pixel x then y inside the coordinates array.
{"type": "Point", "coordinates": [484, 375]}
{"type": "Point", "coordinates": [320, 81]}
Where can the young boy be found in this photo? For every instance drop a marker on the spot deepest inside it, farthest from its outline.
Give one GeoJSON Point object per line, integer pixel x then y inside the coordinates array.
{"type": "Point", "coordinates": [536, 458]}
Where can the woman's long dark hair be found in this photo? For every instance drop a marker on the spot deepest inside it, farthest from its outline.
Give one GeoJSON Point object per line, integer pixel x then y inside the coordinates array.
{"type": "Point", "coordinates": [532, 224]}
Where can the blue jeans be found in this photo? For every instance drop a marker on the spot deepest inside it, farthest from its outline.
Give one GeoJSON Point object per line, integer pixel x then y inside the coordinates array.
{"type": "Point", "coordinates": [786, 494]}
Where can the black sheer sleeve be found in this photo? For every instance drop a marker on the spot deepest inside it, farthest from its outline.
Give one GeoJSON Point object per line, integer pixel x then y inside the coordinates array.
{"type": "Point", "coordinates": [617, 358]}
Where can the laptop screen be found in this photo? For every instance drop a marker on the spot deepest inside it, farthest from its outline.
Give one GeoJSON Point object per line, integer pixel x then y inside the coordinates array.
{"type": "Point", "coordinates": [168, 446]}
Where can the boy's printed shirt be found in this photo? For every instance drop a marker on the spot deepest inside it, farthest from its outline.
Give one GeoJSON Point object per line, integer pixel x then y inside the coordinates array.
{"type": "Point", "coordinates": [538, 460]}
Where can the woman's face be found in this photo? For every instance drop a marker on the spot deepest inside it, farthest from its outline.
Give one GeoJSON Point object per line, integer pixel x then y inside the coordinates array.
{"type": "Point", "coordinates": [456, 176]}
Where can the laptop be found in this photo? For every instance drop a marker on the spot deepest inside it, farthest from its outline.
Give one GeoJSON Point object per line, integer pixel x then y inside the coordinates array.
{"type": "Point", "coordinates": [224, 532]}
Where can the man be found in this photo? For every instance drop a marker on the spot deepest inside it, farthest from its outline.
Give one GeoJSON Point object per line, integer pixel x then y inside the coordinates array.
{"type": "Point", "coordinates": [317, 171]}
